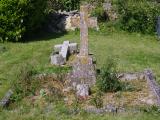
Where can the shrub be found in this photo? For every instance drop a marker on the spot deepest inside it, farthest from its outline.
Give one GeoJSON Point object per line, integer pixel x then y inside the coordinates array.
{"type": "Point", "coordinates": [108, 80]}
{"type": "Point", "coordinates": [138, 16]}
{"type": "Point", "coordinates": [18, 17]}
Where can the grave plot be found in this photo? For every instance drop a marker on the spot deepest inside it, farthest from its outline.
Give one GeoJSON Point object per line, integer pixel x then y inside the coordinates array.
{"type": "Point", "coordinates": [140, 89]}
{"type": "Point", "coordinates": [79, 84]}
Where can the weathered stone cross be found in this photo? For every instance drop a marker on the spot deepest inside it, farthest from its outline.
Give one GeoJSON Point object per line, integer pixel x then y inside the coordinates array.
{"type": "Point", "coordinates": [83, 68]}
{"type": "Point", "coordinates": [84, 22]}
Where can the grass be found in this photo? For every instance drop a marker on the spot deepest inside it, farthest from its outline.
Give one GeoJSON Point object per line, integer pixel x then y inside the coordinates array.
{"type": "Point", "coordinates": [134, 52]}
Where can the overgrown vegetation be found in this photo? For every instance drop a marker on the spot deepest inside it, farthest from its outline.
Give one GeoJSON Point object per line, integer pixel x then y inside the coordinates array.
{"type": "Point", "coordinates": [138, 15]}
{"type": "Point", "coordinates": [108, 80]}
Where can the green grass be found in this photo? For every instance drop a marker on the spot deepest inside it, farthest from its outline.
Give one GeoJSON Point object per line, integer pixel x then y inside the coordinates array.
{"type": "Point", "coordinates": [134, 52]}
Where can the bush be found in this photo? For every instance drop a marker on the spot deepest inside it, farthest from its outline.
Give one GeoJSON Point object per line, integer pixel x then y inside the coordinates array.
{"type": "Point", "coordinates": [18, 17]}
{"type": "Point", "coordinates": [108, 80]}
{"type": "Point", "coordinates": [138, 16]}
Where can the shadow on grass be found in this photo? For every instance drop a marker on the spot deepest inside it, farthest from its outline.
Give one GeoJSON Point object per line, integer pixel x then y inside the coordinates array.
{"type": "Point", "coordinates": [43, 36]}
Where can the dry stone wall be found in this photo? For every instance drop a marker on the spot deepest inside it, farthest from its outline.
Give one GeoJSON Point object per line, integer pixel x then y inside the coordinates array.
{"type": "Point", "coordinates": [65, 21]}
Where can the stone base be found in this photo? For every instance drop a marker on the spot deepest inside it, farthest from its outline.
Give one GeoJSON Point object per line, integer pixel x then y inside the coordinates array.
{"type": "Point", "coordinates": [83, 71]}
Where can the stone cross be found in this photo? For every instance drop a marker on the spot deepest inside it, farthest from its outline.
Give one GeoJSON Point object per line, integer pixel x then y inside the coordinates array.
{"type": "Point", "coordinates": [84, 30]}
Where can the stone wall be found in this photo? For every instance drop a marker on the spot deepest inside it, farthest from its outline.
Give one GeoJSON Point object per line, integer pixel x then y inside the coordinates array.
{"type": "Point", "coordinates": [109, 11]}
{"type": "Point", "coordinates": [65, 21]}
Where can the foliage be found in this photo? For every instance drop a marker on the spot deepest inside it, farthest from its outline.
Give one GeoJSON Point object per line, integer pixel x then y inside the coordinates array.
{"type": "Point", "coordinates": [18, 17]}
{"type": "Point", "coordinates": [99, 12]}
{"type": "Point", "coordinates": [67, 5]}
{"type": "Point", "coordinates": [138, 16]}
{"type": "Point", "coordinates": [25, 84]}
{"type": "Point", "coordinates": [108, 80]}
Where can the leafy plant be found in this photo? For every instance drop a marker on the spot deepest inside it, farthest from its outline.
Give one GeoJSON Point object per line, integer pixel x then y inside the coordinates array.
{"type": "Point", "coordinates": [108, 80]}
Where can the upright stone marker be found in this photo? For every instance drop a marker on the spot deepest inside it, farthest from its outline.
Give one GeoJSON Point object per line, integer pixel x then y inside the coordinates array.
{"type": "Point", "coordinates": [84, 30]}
{"type": "Point", "coordinates": [83, 68]}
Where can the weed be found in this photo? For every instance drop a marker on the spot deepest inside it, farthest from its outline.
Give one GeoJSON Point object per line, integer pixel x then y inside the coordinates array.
{"type": "Point", "coordinates": [108, 80]}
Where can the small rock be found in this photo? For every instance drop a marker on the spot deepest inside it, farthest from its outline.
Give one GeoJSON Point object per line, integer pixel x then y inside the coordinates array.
{"type": "Point", "coordinates": [110, 108]}
{"type": "Point", "coordinates": [6, 99]}
{"type": "Point", "coordinates": [82, 91]}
